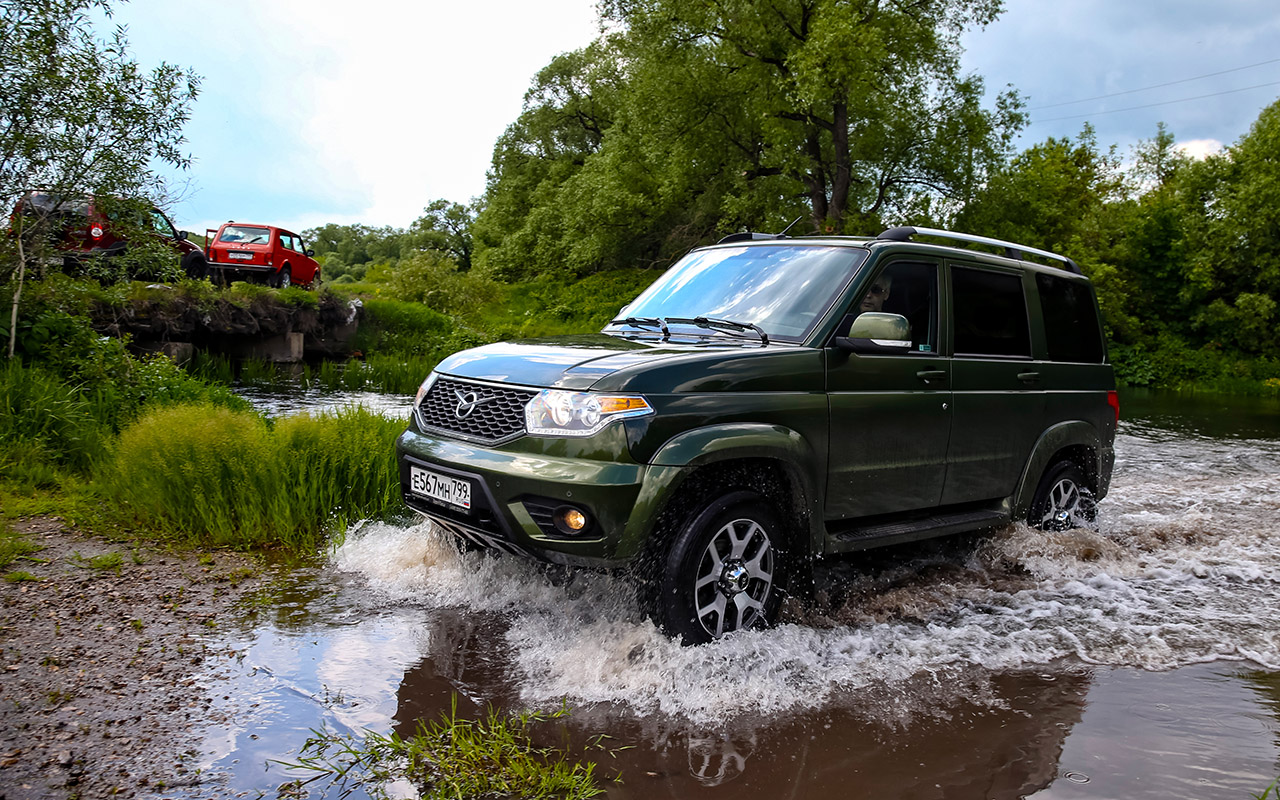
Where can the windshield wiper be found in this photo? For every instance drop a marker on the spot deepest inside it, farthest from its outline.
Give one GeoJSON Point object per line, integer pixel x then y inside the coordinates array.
{"type": "Point", "coordinates": [721, 324]}
{"type": "Point", "coordinates": [644, 322]}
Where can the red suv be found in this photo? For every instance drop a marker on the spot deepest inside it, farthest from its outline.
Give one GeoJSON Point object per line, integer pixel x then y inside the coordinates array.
{"type": "Point", "coordinates": [250, 251]}
{"type": "Point", "coordinates": [80, 228]}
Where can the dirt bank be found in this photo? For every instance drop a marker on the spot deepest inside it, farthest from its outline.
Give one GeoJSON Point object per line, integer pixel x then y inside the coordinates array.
{"type": "Point", "coordinates": [98, 665]}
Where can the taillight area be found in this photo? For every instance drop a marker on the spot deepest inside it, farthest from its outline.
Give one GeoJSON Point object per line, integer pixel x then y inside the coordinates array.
{"type": "Point", "coordinates": [1113, 400]}
{"type": "Point", "coordinates": [96, 232]}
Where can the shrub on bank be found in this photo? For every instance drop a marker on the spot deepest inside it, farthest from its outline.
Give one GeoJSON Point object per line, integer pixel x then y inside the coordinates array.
{"type": "Point", "coordinates": [219, 477]}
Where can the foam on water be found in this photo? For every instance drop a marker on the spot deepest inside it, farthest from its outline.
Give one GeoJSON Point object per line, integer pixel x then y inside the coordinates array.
{"type": "Point", "coordinates": [1183, 569]}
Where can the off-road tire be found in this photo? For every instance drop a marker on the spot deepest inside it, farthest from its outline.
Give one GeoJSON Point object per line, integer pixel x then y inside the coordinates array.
{"type": "Point", "coordinates": [281, 278]}
{"type": "Point", "coordinates": [1063, 499]}
{"type": "Point", "coordinates": [726, 570]}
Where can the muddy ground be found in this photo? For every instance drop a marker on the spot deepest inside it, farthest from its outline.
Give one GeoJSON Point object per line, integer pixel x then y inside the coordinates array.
{"type": "Point", "coordinates": [98, 665]}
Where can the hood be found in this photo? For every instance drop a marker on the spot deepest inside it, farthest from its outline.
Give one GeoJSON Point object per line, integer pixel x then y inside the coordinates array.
{"type": "Point", "coordinates": [567, 362]}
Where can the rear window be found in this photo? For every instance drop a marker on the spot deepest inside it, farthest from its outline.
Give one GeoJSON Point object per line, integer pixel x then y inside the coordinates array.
{"type": "Point", "coordinates": [46, 203]}
{"type": "Point", "coordinates": [1070, 320]}
{"type": "Point", "coordinates": [243, 234]}
{"type": "Point", "coordinates": [990, 314]}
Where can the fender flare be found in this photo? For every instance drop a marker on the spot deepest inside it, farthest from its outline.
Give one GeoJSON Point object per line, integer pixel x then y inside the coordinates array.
{"type": "Point", "coordinates": [714, 444]}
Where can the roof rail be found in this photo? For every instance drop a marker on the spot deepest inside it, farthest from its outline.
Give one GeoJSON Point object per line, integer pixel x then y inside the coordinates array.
{"type": "Point", "coordinates": [1011, 249]}
{"type": "Point", "coordinates": [749, 236]}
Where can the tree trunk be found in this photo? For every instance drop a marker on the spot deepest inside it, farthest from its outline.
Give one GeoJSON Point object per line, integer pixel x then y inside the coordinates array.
{"type": "Point", "coordinates": [842, 180]}
{"type": "Point", "coordinates": [17, 293]}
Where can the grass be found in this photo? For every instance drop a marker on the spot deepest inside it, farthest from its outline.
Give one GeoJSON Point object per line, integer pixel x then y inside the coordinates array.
{"type": "Point", "coordinates": [1272, 792]}
{"type": "Point", "coordinates": [14, 546]}
{"type": "Point", "coordinates": [211, 476]}
{"type": "Point", "coordinates": [452, 757]}
{"type": "Point", "coordinates": [43, 422]}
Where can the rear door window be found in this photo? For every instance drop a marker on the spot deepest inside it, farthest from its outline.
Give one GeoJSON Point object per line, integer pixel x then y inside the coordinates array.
{"type": "Point", "coordinates": [989, 314]}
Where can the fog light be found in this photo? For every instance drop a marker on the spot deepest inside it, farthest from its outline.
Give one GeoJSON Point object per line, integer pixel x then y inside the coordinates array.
{"type": "Point", "coordinates": [570, 520]}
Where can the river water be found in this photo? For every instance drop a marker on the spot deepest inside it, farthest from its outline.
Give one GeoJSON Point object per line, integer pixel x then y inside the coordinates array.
{"type": "Point", "coordinates": [1138, 660]}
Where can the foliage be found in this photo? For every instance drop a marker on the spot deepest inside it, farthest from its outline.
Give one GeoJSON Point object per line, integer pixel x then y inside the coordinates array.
{"type": "Point", "coordinates": [218, 477]}
{"type": "Point", "coordinates": [347, 251]}
{"type": "Point", "coordinates": [452, 757]}
{"type": "Point", "coordinates": [689, 121]}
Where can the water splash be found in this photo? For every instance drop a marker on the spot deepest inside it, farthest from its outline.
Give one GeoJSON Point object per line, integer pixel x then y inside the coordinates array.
{"type": "Point", "coordinates": [1183, 568]}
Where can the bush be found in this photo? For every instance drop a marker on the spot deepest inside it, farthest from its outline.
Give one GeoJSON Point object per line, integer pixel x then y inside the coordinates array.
{"type": "Point", "coordinates": [221, 477]}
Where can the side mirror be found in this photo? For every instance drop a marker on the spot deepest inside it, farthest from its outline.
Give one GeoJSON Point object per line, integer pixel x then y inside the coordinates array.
{"type": "Point", "coordinates": [876, 332]}
{"type": "Point", "coordinates": [311, 253]}
{"type": "Point", "coordinates": [182, 235]}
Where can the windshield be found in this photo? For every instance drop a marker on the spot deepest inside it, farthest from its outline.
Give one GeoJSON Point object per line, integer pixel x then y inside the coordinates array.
{"type": "Point", "coordinates": [243, 234]}
{"type": "Point", "coordinates": [783, 289]}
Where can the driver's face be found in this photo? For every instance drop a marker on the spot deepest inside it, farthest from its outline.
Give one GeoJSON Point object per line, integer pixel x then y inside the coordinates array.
{"type": "Point", "coordinates": [874, 299]}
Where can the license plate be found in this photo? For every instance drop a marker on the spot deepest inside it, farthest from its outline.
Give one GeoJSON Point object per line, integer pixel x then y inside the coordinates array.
{"type": "Point", "coordinates": [442, 488]}
{"type": "Point", "coordinates": [241, 256]}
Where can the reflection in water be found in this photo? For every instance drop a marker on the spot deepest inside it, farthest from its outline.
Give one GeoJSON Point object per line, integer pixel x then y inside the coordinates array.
{"type": "Point", "coordinates": [1004, 665]}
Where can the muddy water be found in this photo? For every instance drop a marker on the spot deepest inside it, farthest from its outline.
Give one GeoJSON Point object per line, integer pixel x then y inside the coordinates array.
{"type": "Point", "coordinates": [1138, 660]}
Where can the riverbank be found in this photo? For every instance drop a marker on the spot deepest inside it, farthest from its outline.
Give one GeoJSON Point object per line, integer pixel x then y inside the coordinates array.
{"type": "Point", "coordinates": [101, 644]}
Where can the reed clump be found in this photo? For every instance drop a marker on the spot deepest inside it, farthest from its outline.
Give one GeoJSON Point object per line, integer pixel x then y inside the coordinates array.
{"type": "Point", "coordinates": [214, 476]}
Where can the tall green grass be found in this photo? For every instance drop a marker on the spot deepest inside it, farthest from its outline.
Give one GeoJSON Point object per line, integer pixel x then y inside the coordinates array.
{"type": "Point", "coordinates": [217, 477]}
{"type": "Point", "coordinates": [44, 420]}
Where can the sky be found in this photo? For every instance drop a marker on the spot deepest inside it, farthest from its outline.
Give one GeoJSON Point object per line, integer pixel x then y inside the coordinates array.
{"type": "Point", "coordinates": [314, 111]}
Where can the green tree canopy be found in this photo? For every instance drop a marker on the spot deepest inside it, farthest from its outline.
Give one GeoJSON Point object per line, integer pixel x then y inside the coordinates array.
{"type": "Point", "coordinates": [78, 115]}
{"type": "Point", "coordinates": [691, 120]}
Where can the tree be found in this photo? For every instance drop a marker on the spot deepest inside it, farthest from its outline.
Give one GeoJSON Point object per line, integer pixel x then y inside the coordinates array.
{"type": "Point", "coordinates": [1233, 239]}
{"type": "Point", "coordinates": [78, 116]}
{"type": "Point", "coordinates": [77, 113]}
{"type": "Point", "coordinates": [691, 120]}
{"type": "Point", "coordinates": [445, 226]}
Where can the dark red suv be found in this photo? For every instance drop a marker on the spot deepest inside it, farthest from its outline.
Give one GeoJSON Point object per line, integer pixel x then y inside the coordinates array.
{"type": "Point", "coordinates": [261, 252]}
{"type": "Point", "coordinates": [80, 228]}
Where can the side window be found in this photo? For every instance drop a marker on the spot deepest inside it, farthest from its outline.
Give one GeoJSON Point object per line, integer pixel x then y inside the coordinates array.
{"type": "Point", "coordinates": [911, 291]}
{"type": "Point", "coordinates": [1070, 320]}
{"type": "Point", "coordinates": [162, 226]}
{"type": "Point", "coordinates": [989, 314]}
{"type": "Point", "coordinates": [285, 241]}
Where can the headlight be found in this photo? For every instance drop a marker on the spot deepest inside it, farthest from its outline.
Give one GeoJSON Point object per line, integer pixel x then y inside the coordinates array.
{"type": "Point", "coordinates": [423, 389]}
{"type": "Point", "coordinates": [553, 412]}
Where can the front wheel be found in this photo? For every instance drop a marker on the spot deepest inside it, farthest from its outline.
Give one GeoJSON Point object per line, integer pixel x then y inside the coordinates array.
{"type": "Point", "coordinates": [1062, 500]}
{"type": "Point", "coordinates": [726, 570]}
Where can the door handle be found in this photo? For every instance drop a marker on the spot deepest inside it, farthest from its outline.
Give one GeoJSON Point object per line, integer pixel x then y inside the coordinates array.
{"type": "Point", "coordinates": [1029, 377]}
{"type": "Point", "coordinates": [927, 375]}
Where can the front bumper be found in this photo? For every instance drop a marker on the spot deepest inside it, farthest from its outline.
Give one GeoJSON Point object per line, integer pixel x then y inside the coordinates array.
{"type": "Point", "coordinates": [514, 487]}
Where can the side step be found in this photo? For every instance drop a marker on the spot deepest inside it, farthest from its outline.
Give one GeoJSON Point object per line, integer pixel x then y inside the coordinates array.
{"type": "Point", "coordinates": [895, 531]}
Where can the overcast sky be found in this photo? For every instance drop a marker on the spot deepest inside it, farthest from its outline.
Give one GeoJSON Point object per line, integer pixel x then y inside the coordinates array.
{"type": "Point", "coordinates": [315, 111]}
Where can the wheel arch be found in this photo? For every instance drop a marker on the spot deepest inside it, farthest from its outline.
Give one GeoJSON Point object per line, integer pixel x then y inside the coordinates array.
{"type": "Point", "coordinates": [770, 460]}
{"type": "Point", "coordinates": [1075, 441]}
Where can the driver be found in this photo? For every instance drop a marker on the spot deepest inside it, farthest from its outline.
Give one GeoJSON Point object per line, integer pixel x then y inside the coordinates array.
{"type": "Point", "coordinates": [874, 299]}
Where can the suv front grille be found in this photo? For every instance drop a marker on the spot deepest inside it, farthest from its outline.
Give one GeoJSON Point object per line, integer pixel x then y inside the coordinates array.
{"type": "Point", "coordinates": [479, 412]}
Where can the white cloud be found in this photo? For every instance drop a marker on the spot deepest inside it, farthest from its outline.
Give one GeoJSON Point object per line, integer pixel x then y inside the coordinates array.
{"type": "Point", "coordinates": [1199, 149]}
{"type": "Point", "coordinates": [317, 111]}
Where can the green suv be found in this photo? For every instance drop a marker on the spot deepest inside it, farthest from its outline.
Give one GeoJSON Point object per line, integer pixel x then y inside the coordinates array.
{"type": "Point", "coordinates": [770, 400]}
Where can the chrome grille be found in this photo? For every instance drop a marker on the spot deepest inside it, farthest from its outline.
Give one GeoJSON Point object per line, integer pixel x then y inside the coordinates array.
{"type": "Point", "coordinates": [497, 413]}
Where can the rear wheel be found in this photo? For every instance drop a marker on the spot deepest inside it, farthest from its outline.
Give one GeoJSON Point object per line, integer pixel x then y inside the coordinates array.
{"type": "Point", "coordinates": [196, 267]}
{"type": "Point", "coordinates": [281, 279]}
{"type": "Point", "coordinates": [1063, 499]}
{"type": "Point", "coordinates": [726, 570]}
